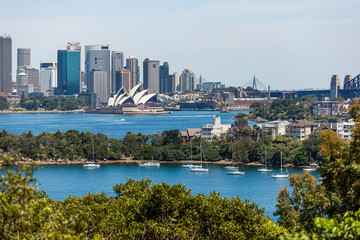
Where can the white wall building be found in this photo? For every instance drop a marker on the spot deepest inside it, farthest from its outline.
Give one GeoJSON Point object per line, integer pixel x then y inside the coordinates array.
{"type": "Point", "coordinates": [48, 75]}
{"type": "Point", "coordinates": [274, 129]}
{"type": "Point", "coordinates": [208, 131]}
{"type": "Point", "coordinates": [345, 129]}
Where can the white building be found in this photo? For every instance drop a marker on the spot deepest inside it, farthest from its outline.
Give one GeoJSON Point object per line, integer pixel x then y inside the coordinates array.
{"type": "Point", "coordinates": [300, 129]}
{"type": "Point", "coordinates": [208, 131]}
{"type": "Point", "coordinates": [274, 129]}
{"type": "Point", "coordinates": [48, 75]}
{"type": "Point", "coordinates": [345, 129]}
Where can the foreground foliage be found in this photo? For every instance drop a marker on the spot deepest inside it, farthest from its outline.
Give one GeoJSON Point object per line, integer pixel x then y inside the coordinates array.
{"type": "Point", "coordinates": [139, 210]}
{"type": "Point", "coordinates": [336, 198]}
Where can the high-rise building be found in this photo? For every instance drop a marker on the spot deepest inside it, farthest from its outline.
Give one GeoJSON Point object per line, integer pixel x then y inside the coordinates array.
{"type": "Point", "coordinates": [5, 64]}
{"type": "Point", "coordinates": [22, 86]}
{"type": "Point", "coordinates": [33, 78]}
{"type": "Point", "coordinates": [117, 64]}
{"type": "Point", "coordinates": [187, 80]}
{"type": "Point", "coordinates": [68, 70]}
{"type": "Point", "coordinates": [334, 86]}
{"type": "Point", "coordinates": [175, 82]}
{"type": "Point", "coordinates": [73, 46]}
{"type": "Point", "coordinates": [126, 79]}
{"type": "Point", "coordinates": [132, 64]}
{"type": "Point", "coordinates": [23, 57]}
{"type": "Point", "coordinates": [97, 58]}
{"type": "Point", "coordinates": [151, 76]}
{"type": "Point", "coordinates": [98, 84]}
{"type": "Point", "coordinates": [48, 75]}
{"type": "Point", "coordinates": [165, 83]}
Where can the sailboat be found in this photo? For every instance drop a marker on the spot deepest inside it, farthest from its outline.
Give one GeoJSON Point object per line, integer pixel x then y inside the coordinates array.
{"type": "Point", "coordinates": [149, 163]}
{"type": "Point", "coordinates": [190, 165]}
{"type": "Point", "coordinates": [236, 171]}
{"type": "Point", "coordinates": [92, 165]}
{"type": "Point", "coordinates": [281, 174]}
{"type": "Point", "coordinates": [311, 167]}
{"type": "Point", "coordinates": [200, 168]}
{"type": "Point", "coordinates": [265, 168]}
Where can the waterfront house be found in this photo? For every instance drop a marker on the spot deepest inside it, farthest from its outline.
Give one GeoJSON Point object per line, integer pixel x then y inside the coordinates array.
{"type": "Point", "coordinates": [208, 131]}
{"type": "Point", "coordinates": [300, 129]}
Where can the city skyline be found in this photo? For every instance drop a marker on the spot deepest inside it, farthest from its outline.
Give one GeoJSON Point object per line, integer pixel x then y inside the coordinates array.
{"type": "Point", "coordinates": [288, 45]}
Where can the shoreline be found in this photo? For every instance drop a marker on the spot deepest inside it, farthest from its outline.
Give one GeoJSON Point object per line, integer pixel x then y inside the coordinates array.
{"type": "Point", "coordinates": [131, 161]}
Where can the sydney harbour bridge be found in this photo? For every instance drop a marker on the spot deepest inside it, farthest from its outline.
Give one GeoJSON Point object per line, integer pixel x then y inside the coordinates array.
{"type": "Point", "coordinates": [351, 89]}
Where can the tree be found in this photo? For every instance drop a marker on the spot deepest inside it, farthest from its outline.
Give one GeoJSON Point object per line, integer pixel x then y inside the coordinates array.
{"type": "Point", "coordinates": [340, 190]}
{"type": "Point", "coordinates": [4, 104]}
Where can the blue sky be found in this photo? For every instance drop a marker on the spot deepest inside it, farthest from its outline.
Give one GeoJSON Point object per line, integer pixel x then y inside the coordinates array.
{"type": "Point", "coordinates": [287, 44]}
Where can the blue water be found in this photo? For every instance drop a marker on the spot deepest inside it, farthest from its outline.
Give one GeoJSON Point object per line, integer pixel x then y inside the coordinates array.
{"type": "Point", "coordinates": [110, 124]}
{"type": "Point", "coordinates": [75, 180]}
{"type": "Point", "coordinates": [61, 181]}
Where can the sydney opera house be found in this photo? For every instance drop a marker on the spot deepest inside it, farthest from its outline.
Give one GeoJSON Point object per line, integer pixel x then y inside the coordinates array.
{"type": "Point", "coordinates": [136, 96]}
{"type": "Point", "coordinates": [137, 101]}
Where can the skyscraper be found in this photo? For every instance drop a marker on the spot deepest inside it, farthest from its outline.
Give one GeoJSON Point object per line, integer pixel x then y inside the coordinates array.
{"type": "Point", "coordinates": [97, 58]}
{"type": "Point", "coordinates": [175, 82]}
{"type": "Point", "coordinates": [33, 78]}
{"type": "Point", "coordinates": [126, 79]}
{"type": "Point", "coordinates": [187, 80]}
{"type": "Point", "coordinates": [5, 64]}
{"type": "Point", "coordinates": [165, 83]}
{"type": "Point", "coordinates": [23, 57]}
{"type": "Point", "coordinates": [117, 64]}
{"type": "Point", "coordinates": [68, 74]}
{"type": "Point", "coordinates": [132, 64]}
{"type": "Point", "coordinates": [98, 84]}
{"type": "Point", "coordinates": [151, 76]}
{"type": "Point", "coordinates": [48, 75]}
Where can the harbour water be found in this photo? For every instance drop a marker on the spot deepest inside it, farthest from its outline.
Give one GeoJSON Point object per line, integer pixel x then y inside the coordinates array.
{"type": "Point", "coordinates": [75, 180]}
{"type": "Point", "coordinates": [110, 124]}
{"type": "Point", "coordinates": [61, 181]}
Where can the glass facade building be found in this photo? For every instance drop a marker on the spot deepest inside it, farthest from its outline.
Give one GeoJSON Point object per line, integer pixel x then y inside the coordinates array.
{"type": "Point", "coordinates": [68, 72]}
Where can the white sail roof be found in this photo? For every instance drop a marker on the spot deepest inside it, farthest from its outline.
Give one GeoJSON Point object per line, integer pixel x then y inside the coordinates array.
{"type": "Point", "coordinates": [146, 98]}
{"type": "Point", "coordinates": [134, 90]}
{"type": "Point", "coordinates": [139, 95]}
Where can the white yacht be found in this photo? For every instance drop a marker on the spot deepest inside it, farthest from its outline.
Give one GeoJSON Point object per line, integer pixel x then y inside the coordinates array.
{"type": "Point", "coordinates": [92, 165]}
{"type": "Point", "coordinates": [281, 174]}
{"type": "Point", "coordinates": [265, 168]}
{"type": "Point", "coordinates": [200, 168]}
{"type": "Point", "coordinates": [149, 164]}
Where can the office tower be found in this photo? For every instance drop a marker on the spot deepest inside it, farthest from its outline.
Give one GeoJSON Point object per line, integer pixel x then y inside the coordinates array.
{"type": "Point", "coordinates": [175, 82]}
{"type": "Point", "coordinates": [187, 80]}
{"type": "Point", "coordinates": [23, 57]}
{"type": "Point", "coordinates": [73, 46]}
{"type": "Point", "coordinates": [132, 64]}
{"type": "Point", "coordinates": [97, 58]}
{"type": "Point", "coordinates": [22, 86]}
{"type": "Point", "coordinates": [151, 75]}
{"type": "Point", "coordinates": [334, 86]}
{"type": "Point", "coordinates": [33, 78]}
{"type": "Point", "coordinates": [98, 84]}
{"type": "Point", "coordinates": [117, 64]}
{"type": "Point", "coordinates": [126, 79]}
{"type": "Point", "coordinates": [48, 75]}
{"type": "Point", "coordinates": [68, 70]}
{"type": "Point", "coordinates": [165, 83]}
{"type": "Point", "coordinates": [5, 64]}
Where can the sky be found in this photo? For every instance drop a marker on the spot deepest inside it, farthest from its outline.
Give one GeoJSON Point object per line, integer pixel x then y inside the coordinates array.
{"type": "Point", "coordinates": [287, 44]}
